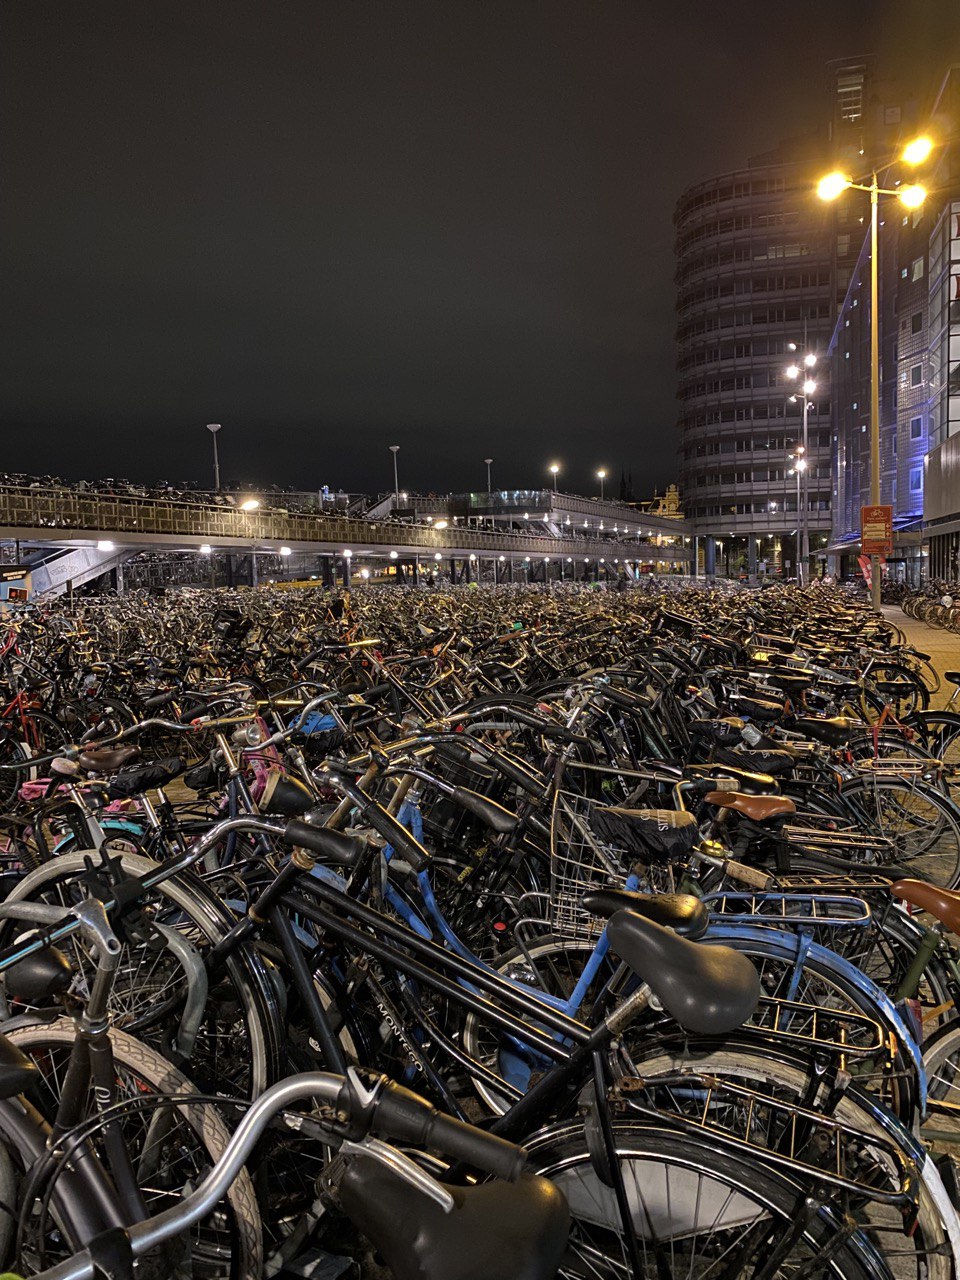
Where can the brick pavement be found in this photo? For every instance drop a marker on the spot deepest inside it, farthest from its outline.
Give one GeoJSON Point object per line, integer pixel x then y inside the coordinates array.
{"type": "Point", "coordinates": [942, 646]}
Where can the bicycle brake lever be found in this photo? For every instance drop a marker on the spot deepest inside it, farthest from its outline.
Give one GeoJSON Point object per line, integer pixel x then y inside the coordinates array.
{"type": "Point", "coordinates": [395, 1161]}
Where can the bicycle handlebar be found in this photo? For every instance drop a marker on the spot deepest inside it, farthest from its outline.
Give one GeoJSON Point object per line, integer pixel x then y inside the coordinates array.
{"type": "Point", "coordinates": [383, 1108]}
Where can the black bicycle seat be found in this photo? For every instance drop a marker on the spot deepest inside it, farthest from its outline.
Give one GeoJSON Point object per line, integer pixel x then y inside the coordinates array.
{"type": "Point", "coordinates": [835, 731]}
{"type": "Point", "coordinates": [709, 990]}
{"type": "Point", "coordinates": [496, 1231]}
{"type": "Point", "coordinates": [17, 1071]}
{"type": "Point", "coordinates": [775, 763]}
{"type": "Point", "coordinates": [681, 912]}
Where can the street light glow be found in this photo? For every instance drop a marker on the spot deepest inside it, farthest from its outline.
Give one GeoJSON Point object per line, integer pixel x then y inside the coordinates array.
{"type": "Point", "coordinates": [792, 371]}
{"type": "Point", "coordinates": [810, 360]}
{"type": "Point", "coordinates": [250, 504]}
{"type": "Point", "coordinates": [285, 551]}
{"type": "Point", "coordinates": [833, 185]}
{"type": "Point", "coordinates": [554, 468]}
{"type": "Point", "coordinates": [205, 549]}
{"type": "Point", "coordinates": [917, 150]}
{"type": "Point", "coordinates": [913, 196]}
{"type": "Point", "coordinates": [809, 387]}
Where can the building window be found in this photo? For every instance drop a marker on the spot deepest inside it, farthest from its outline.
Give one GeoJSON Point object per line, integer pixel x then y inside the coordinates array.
{"type": "Point", "coordinates": [916, 322]}
{"type": "Point", "coordinates": [916, 428]}
{"type": "Point", "coordinates": [916, 479]}
{"type": "Point", "coordinates": [917, 272]}
{"type": "Point", "coordinates": [916, 375]}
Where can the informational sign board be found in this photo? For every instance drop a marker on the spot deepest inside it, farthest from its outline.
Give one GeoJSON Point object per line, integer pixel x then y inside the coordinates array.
{"type": "Point", "coordinates": [13, 572]}
{"type": "Point", "coordinates": [876, 531]}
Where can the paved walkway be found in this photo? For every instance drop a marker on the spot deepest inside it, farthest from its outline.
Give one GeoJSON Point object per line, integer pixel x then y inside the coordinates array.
{"type": "Point", "coordinates": [942, 646]}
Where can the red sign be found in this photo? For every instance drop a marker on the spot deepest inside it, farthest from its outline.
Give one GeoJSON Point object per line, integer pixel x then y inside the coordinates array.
{"type": "Point", "coordinates": [876, 530]}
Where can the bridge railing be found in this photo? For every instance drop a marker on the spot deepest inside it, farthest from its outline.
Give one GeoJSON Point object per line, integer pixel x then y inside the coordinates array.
{"type": "Point", "coordinates": [53, 513]}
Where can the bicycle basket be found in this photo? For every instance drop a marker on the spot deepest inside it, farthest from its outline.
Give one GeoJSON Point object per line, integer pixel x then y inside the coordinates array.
{"type": "Point", "coordinates": [592, 846]}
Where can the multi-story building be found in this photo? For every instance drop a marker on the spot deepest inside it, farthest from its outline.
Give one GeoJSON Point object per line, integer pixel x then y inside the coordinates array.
{"type": "Point", "coordinates": [917, 270]}
{"type": "Point", "coordinates": [754, 275]}
{"type": "Point", "coordinates": [942, 464]}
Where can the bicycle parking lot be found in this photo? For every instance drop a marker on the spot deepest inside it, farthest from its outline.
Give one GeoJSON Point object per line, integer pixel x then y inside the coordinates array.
{"type": "Point", "coordinates": [656, 887]}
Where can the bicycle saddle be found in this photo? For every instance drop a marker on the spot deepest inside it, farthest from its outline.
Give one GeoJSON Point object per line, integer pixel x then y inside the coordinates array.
{"type": "Point", "coordinates": [835, 731]}
{"type": "Point", "coordinates": [17, 1071]}
{"type": "Point", "coordinates": [681, 912]}
{"type": "Point", "coordinates": [285, 796]}
{"type": "Point", "coordinates": [775, 763]}
{"type": "Point", "coordinates": [37, 978]}
{"type": "Point", "coordinates": [757, 808]}
{"type": "Point", "coordinates": [755, 708]}
{"type": "Point", "coordinates": [952, 676]}
{"type": "Point", "coordinates": [752, 784]}
{"type": "Point", "coordinates": [496, 1231]}
{"type": "Point", "coordinates": [107, 759]}
{"type": "Point", "coordinates": [710, 990]}
{"type": "Point", "coordinates": [942, 903]}
{"type": "Point", "coordinates": [671, 832]}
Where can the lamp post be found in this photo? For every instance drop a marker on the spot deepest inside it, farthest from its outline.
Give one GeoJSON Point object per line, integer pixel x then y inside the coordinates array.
{"type": "Point", "coordinates": [808, 387]}
{"type": "Point", "coordinates": [488, 462]}
{"type": "Point", "coordinates": [554, 471]}
{"type": "Point", "coordinates": [213, 428]}
{"type": "Point", "coordinates": [799, 467]}
{"type": "Point", "coordinates": [912, 197]}
{"type": "Point", "coordinates": [394, 449]}
{"type": "Point", "coordinates": [601, 476]}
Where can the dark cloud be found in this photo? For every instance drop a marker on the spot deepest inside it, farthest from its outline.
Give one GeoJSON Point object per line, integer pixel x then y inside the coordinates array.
{"type": "Point", "coordinates": [332, 227]}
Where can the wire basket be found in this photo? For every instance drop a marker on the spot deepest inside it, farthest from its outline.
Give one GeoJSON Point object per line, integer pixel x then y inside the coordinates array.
{"type": "Point", "coordinates": [579, 862]}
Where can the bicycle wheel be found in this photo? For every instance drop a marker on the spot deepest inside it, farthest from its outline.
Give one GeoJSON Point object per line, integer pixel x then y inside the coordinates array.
{"type": "Point", "coordinates": [941, 1061]}
{"type": "Point", "coordinates": [171, 1148]}
{"type": "Point", "coordinates": [237, 1049]}
{"type": "Point", "coordinates": [921, 824]}
{"type": "Point", "coordinates": [938, 733]}
{"type": "Point", "coordinates": [696, 1212]}
{"type": "Point", "coordinates": [925, 1253]}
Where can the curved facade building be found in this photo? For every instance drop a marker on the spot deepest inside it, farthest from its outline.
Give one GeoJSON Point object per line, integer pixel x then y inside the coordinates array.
{"type": "Point", "coordinates": [756, 271]}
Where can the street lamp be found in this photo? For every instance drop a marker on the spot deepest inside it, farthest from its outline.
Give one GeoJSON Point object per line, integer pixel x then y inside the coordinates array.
{"type": "Point", "coordinates": [808, 387]}
{"type": "Point", "coordinates": [394, 449]}
{"type": "Point", "coordinates": [554, 471]}
{"type": "Point", "coordinates": [601, 476]}
{"type": "Point", "coordinates": [488, 461]}
{"type": "Point", "coordinates": [912, 196]}
{"type": "Point", "coordinates": [213, 428]}
{"type": "Point", "coordinates": [250, 504]}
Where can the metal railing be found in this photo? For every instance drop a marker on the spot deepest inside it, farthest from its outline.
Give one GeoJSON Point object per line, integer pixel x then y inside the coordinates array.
{"type": "Point", "coordinates": [58, 515]}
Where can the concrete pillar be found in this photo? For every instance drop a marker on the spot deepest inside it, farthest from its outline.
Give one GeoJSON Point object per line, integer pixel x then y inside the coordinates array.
{"type": "Point", "coordinates": [328, 570]}
{"type": "Point", "coordinates": [453, 569]}
{"type": "Point", "coordinates": [253, 569]}
{"type": "Point", "coordinates": [510, 569]}
{"type": "Point", "coordinates": [710, 556]}
{"type": "Point", "coordinates": [345, 571]}
{"type": "Point", "coordinates": [416, 572]}
{"type": "Point", "coordinates": [695, 566]}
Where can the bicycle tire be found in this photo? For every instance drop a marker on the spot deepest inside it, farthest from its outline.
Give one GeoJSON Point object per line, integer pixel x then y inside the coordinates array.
{"type": "Point", "coordinates": [647, 1158]}
{"type": "Point", "coordinates": [146, 1067]}
{"type": "Point", "coordinates": [248, 976]}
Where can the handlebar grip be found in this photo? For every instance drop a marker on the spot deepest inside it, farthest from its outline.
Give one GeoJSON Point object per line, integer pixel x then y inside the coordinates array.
{"type": "Point", "coordinates": [402, 1116]}
{"type": "Point", "coordinates": [159, 700]}
{"type": "Point", "coordinates": [491, 814]}
{"type": "Point", "coordinates": [517, 774]}
{"type": "Point", "coordinates": [409, 848]}
{"type": "Point", "coordinates": [326, 843]}
{"type": "Point", "coordinates": [473, 1146]}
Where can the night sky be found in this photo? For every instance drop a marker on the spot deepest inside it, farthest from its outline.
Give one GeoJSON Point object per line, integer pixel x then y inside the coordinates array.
{"type": "Point", "coordinates": [333, 227]}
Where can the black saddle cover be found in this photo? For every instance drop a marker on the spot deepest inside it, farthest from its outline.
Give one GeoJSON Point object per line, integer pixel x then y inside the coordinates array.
{"type": "Point", "coordinates": [496, 1231]}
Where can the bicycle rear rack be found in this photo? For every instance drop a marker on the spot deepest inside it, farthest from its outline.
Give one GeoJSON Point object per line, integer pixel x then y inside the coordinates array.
{"type": "Point", "coordinates": [794, 909]}
{"type": "Point", "coordinates": [835, 1030]}
{"type": "Point", "coordinates": [802, 1142]}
